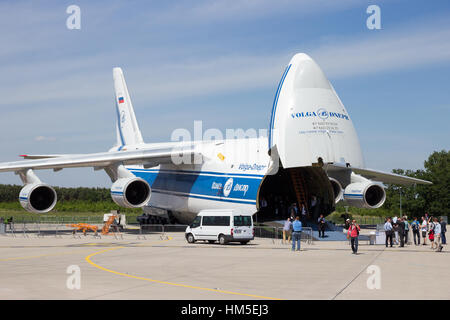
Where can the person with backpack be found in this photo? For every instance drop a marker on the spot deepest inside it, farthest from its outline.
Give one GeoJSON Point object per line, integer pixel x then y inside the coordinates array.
{"type": "Point", "coordinates": [352, 234]}
{"type": "Point", "coordinates": [415, 226]}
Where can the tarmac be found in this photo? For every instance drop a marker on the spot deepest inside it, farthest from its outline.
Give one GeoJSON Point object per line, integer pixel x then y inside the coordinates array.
{"type": "Point", "coordinates": [166, 267]}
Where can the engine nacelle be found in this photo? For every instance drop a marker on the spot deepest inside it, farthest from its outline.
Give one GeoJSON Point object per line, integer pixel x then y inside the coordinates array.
{"type": "Point", "coordinates": [131, 192]}
{"type": "Point", "coordinates": [337, 190]}
{"type": "Point", "coordinates": [365, 194]}
{"type": "Point", "coordinates": [38, 197]}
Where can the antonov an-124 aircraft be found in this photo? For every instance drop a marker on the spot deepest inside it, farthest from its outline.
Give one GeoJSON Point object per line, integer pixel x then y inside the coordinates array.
{"type": "Point", "coordinates": [311, 151]}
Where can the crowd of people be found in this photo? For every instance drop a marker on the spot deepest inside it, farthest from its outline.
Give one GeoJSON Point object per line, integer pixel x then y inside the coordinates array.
{"type": "Point", "coordinates": [397, 231]}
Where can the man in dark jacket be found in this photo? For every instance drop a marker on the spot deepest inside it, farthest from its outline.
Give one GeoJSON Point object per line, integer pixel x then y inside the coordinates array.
{"type": "Point", "coordinates": [401, 231]}
{"type": "Point", "coordinates": [321, 226]}
{"type": "Point", "coordinates": [443, 231]}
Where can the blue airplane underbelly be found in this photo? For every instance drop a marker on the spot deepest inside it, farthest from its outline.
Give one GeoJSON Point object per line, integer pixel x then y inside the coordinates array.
{"type": "Point", "coordinates": [215, 186]}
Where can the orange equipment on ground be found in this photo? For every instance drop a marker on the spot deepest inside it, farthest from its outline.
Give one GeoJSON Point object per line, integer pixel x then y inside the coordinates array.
{"type": "Point", "coordinates": [111, 220]}
{"type": "Point", "coordinates": [83, 227]}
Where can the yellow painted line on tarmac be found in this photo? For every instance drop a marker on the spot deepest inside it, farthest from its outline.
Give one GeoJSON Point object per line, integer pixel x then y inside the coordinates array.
{"type": "Point", "coordinates": [88, 259]}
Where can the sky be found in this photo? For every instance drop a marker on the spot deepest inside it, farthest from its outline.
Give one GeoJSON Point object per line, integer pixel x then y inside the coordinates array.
{"type": "Point", "coordinates": [218, 61]}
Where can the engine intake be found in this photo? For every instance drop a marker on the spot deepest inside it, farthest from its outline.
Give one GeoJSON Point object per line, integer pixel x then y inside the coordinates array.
{"type": "Point", "coordinates": [131, 192]}
{"type": "Point", "coordinates": [38, 198]}
{"type": "Point", "coordinates": [337, 190]}
{"type": "Point", "coordinates": [365, 195]}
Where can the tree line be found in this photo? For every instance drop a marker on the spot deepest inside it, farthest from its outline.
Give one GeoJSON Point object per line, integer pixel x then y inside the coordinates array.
{"type": "Point", "coordinates": [418, 199]}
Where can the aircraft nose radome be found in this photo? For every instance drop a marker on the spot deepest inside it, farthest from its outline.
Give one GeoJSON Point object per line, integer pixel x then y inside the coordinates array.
{"type": "Point", "coordinates": [300, 56]}
{"type": "Point", "coordinates": [308, 73]}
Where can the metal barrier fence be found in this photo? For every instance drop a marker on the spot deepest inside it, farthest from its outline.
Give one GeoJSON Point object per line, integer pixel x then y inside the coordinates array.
{"type": "Point", "coordinates": [58, 230]}
{"type": "Point", "coordinates": [273, 233]}
{"type": "Point", "coordinates": [58, 219]}
{"type": "Point", "coordinates": [276, 233]}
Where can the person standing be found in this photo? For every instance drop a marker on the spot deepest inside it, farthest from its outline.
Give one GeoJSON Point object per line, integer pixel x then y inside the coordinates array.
{"type": "Point", "coordinates": [401, 231]}
{"type": "Point", "coordinates": [395, 229]}
{"type": "Point", "coordinates": [437, 234]}
{"type": "Point", "coordinates": [443, 230]}
{"type": "Point", "coordinates": [353, 233]}
{"type": "Point", "coordinates": [424, 228]}
{"type": "Point", "coordinates": [296, 233]}
{"type": "Point", "coordinates": [415, 226]}
{"type": "Point", "coordinates": [287, 230]}
{"type": "Point", "coordinates": [314, 207]}
{"type": "Point", "coordinates": [388, 231]}
{"type": "Point", "coordinates": [405, 221]}
{"type": "Point", "coordinates": [431, 233]}
{"type": "Point", "coordinates": [303, 212]}
{"type": "Point", "coordinates": [321, 226]}
{"type": "Point", "coordinates": [263, 206]}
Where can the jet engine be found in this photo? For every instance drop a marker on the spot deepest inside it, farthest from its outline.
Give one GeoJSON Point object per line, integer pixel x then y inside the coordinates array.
{"type": "Point", "coordinates": [365, 194]}
{"type": "Point", "coordinates": [38, 197]}
{"type": "Point", "coordinates": [337, 190]}
{"type": "Point", "coordinates": [131, 192]}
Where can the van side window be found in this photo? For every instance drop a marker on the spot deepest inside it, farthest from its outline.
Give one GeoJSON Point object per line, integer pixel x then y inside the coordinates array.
{"type": "Point", "coordinates": [216, 221]}
{"type": "Point", "coordinates": [196, 222]}
{"type": "Point", "coordinates": [240, 221]}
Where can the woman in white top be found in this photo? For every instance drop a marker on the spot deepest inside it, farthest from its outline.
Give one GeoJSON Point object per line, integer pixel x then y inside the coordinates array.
{"type": "Point", "coordinates": [424, 228]}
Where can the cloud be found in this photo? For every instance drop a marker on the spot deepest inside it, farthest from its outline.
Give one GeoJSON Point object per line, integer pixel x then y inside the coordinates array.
{"type": "Point", "coordinates": [207, 11]}
{"type": "Point", "coordinates": [385, 52]}
{"type": "Point", "coordinates": [43, 138]}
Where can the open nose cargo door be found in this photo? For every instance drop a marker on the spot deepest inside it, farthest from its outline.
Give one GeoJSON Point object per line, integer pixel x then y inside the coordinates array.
{"type": "Point", "coordinates": [309, 121]}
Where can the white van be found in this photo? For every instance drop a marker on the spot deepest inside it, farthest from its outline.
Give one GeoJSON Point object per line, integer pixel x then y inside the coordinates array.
{"type": "Point", "coordinates": [223, 225]}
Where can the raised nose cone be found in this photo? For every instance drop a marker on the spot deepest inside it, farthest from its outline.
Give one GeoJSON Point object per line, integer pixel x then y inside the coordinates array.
{"type": "Point", "coordinates": [308, 119]}
{"type": "Point", "coordinates": [308, 73]}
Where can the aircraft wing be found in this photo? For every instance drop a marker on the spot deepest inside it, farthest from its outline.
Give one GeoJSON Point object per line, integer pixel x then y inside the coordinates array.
{"type": "Point", "coordinates": [375, 175]}
{"type": "Point", "coordinates": [152, 157]}
{"type": "Point", "coordinates": [390, 178]}
{"type": "Point", "coordinates": [42, 156]}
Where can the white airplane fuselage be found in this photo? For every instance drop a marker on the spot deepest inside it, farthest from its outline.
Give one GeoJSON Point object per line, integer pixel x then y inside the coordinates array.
{"type": "Point", "coordinates": [230, 175]}
{"type": "Point", "coordinates": [311, 156]}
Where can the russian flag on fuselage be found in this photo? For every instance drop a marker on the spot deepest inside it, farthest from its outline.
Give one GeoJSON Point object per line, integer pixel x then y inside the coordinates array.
{"type": "Point", "coordinates": [121, 100]}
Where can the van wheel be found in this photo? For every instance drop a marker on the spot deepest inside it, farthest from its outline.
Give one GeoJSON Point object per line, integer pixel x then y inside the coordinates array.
{"type": "Point", "coordinates": [222, 239]}
{"type": "Point", "coordinates": [244, 242]}
{"type": "Point", "coordinates": [211, 241]}
{"type": "Point", "coordinates": [190, 238]}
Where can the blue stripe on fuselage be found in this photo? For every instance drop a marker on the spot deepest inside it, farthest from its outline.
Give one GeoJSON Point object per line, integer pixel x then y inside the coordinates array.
{"type": "Point", "coordinates": [204, 185]}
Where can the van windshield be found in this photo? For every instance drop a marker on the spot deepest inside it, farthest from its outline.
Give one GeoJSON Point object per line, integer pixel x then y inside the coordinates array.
{"type": "Point", "coordinates": [196, 222]}
{"type": "Point", "coordinates": [240, 221]}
